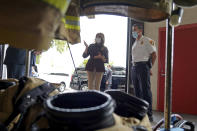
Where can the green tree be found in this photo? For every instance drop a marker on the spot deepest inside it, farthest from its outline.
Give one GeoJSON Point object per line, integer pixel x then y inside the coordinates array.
{"type": "Point", "coordinates": [60, 45]}
{"type": "Point", "coordinates": [84, 62]}
{"type": "Point", "coordinates": [38, 57]}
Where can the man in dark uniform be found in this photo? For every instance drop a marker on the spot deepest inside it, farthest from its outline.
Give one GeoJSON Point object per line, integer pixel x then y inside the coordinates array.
{"type": "Point", "coordinates": [15, 62]}
{"type": "Point", "coordinates": [142, 50]}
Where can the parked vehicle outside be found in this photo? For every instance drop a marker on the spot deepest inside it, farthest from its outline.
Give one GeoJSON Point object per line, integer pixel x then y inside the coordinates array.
{"type": "Point", "coordinates": [79, 79]}
{"type": "Point", "coordinates": [118, 78]}
{"type": "Point", "coordinates": [60, 78]}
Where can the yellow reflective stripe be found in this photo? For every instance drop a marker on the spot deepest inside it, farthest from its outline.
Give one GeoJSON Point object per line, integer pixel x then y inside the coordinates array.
{"type": "Point", "coordinates": [73, 18]}
{"type": "Point", "coordinates": [73, 27]}
{"type": "Point", "coordinates": [62, 5]}
{"type": "Point", "coordinates": [63, 20]}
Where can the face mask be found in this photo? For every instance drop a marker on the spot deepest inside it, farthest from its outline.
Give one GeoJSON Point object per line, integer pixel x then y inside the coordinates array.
{"type": "Point", "coordinates": [134, 34]}
{"type": "Point", "coordinates": [98, 40]}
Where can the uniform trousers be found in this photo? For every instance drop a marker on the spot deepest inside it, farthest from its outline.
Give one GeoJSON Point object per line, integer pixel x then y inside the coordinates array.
{"type": "Point", "coordinates": [141, 81]}
{"type": "Point", "coordinates": [17, 71]}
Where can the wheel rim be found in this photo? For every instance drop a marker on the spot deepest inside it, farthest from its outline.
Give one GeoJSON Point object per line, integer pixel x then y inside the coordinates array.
{"type": "Point", "coordinates": [62, 87]}
{"type": "Point", "coordinates": [84, 87]}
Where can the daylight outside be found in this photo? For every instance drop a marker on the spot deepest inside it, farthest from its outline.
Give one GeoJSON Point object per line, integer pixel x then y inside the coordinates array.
{"type": "Point", "coordinates": [56, 64]}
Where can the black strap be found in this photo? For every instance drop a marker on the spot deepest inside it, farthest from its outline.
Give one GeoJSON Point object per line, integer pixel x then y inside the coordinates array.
{"type": "Point", "coordinates": [21, 85]}
{"type": "Point", "coordinates": [36, 95]}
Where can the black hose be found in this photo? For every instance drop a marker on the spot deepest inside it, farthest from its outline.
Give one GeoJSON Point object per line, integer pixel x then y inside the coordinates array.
{"type": "Point", "coordinates": [84, 111]}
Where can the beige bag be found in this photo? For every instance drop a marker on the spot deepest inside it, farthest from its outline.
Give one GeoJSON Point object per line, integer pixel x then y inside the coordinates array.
{"type": "Point", "coordinates": [6, 96]}
{"type": "Point", "coordinates": [121, 124]}
{"type": "Point", "coordinates": [89, 110]}
{"type": "Point", "coordinates": [125, 124]}
{"type": "Point", "coordinates": [9, 99]}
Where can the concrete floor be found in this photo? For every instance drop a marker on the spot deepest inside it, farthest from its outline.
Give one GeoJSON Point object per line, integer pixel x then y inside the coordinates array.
{"type": "Point", "coordinates": [160, 115]}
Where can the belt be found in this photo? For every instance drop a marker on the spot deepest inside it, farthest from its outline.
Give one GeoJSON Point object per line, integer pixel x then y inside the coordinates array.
{"type": "Point", "coordinates": [139, 63]}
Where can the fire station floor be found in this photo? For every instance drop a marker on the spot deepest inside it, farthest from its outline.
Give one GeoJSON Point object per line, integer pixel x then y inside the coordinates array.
{"type": "Point", "coordinates": [157, 116]}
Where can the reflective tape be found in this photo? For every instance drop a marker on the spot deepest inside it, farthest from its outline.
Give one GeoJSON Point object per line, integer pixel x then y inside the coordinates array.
{"type": "Point", "coordinates": [73, 27]}
{"type": "Point", "coordinates": [72, 22]}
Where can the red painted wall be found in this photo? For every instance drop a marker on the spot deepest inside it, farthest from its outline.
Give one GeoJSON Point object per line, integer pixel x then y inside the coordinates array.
{"type": "Point", "coordinates": [184, 92]}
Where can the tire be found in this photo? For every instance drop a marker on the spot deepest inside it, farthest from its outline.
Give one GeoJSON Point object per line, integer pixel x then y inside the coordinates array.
{"type": "Point", "coordinates": [84, 87]}
{"type": "Point", "coordinates": [62, 87]}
